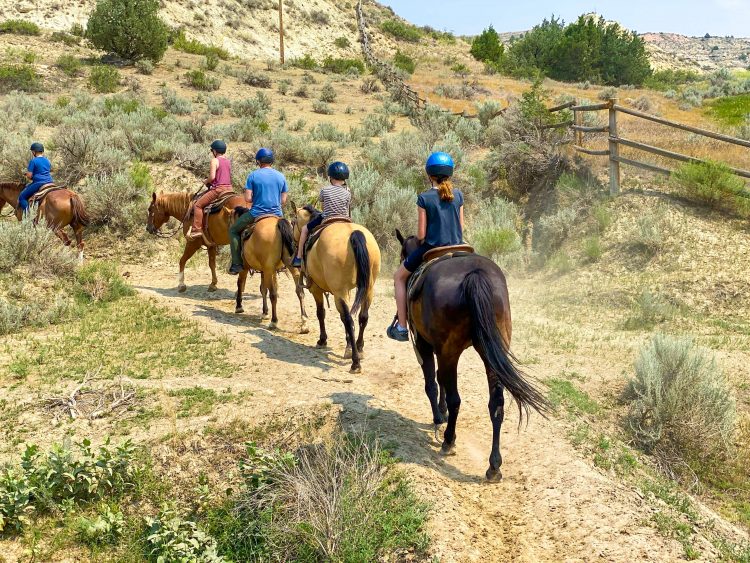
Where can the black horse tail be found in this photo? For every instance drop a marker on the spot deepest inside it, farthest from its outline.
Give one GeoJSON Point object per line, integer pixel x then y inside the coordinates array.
{"type": "Point", "coordinates": [477, 293]}
{"type": "Point", "coordinates": [287, 237]}
{"type": "Point", "coordinates": [362, 261]}
{"type": "Point", "coordinates": [79, 211]}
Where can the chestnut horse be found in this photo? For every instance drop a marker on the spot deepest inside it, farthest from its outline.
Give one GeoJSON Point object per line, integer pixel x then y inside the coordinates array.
{"type": "Point", "coordinates": [177, 205]}
{"type": "Point", "coordinates": [59, 209]}
{"type": "Point", "coordinates": [269, 249]}
{"type": "Point", "coordinates": [462, 302]}
{"type": "Point", "coordinates": [346, 257]}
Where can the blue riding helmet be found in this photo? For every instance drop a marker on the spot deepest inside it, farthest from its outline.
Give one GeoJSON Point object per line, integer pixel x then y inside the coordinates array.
{"type": "Point", "coordinates": [219, 146]}
{"type": "Point", "coordinates": [439, 164]}
{"type": "Point", "coordinates": [264, 156]}
{"type": "Point", "coordinates": [37, 147]}
{"type": "Point", "coordinates": [338, 171]}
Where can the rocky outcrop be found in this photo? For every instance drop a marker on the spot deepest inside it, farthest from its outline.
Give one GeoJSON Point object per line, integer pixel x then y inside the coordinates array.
{"type": "Point", "coordinates": [699, 54]}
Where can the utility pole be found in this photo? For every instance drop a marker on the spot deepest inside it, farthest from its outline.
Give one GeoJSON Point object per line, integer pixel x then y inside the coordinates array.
{"type": "Point", "coordinates": [281, 31]}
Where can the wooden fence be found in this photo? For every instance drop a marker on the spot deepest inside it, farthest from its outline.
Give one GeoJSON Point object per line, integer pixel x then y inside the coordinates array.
{"type": "Point", "coordinates": [616, 141]}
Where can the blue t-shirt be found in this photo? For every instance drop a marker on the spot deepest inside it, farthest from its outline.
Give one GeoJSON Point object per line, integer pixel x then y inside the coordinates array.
{"type": "Point", "coordinates": [443, 217]}
{"type": "Point", "coordinates": [267, 185]}
{"type": "Point", "coordinates": [40, 168]}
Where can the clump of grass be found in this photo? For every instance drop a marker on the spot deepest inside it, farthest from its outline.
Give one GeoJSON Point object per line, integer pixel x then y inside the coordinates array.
{"type": "Point", "coordinates": [322, 108]}
{"type": "Point", "coordinates": [256, 79]}
{"type": "Point", "coordinates": [144, 66]}
{"type": "Point", "coordinates": [342, 42]}
{"type": "Point", "coordinates": [648, 310]}
{"type": "Point", "coordinates": [344, 65]}
{"type": "Point", "coordinates": [195, 47]}
{"type": "Point", "coordinates": [650, 234]}
{"type": "Point", "coordinates": [682, 408]}
{"type": "Point", "coordinates": [592, 248]}
{"type": "Point", "coordinates": [170, 537]}
{"type": "Point", "coordinates": [198, 401]}
{"type": "Point", "coordinates": [401, 30]}
{"type": "Point", "coordinates": [257, 107]}
{"type": "Point", "coordinates": [19, 27]}
{"type": "Point", "coordinates": [712, 184]}
{"type": "Point", "coordinates": [69, 64]}
{"type": "Point", "coordinates": [731, 110]}
{"type": "Point", "coordinates": [174, 104]}
{"type": "Point", "coordinates": [563, 393]}
{"type": "Point", "coordinates": [19, 77]}
{"type": "Point", "coordinates": [339, 501]}
{"type": "Point", "coordinates": [199, 80]}
{"type": "Point", "coordinates": [404, 62]}
{"type": "Point", "coordinates": [104, 79]}
{"type": "Point", "coordinates": [328, 93]}
{"type": "Point", "coordinates": [494, 230]}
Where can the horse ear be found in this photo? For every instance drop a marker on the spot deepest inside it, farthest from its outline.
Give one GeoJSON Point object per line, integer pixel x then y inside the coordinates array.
{"type": "Point", "coordinates": [153, 197]}
{"type": "Point", "coordinates": [294, 207]}
{"type": "Point", "coordinates": [400, 237]}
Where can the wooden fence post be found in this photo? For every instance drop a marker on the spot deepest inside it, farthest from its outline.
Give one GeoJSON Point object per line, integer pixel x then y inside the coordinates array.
{"type": "Point", "coordinates": [578, 120]}
{"type": "Point", "coordinates": [614, 150]}
{"type": "Point", "coordinates": [281, 31]}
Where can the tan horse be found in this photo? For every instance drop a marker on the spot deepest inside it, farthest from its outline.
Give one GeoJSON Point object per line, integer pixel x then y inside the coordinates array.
{"type": "Point", "coordinates": [269, 249]}
{"type": "Point", "coordinates": [177, 204]}
{"type": "Point", "coordinates": [59, 208]}
{"type": "Point", "coordinates": [345, 258]}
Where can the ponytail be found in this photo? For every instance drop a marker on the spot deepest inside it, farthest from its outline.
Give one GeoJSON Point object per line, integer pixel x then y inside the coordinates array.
{"type": "Point", "coordinates": [445, 188]}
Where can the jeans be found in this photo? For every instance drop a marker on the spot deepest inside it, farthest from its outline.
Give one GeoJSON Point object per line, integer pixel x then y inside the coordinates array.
{"type": "Point", "coordinates": [235, 236]}
{"type": "Point", "coordinates": [28, 192]}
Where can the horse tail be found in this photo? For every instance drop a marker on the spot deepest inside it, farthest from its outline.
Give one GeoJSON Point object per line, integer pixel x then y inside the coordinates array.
{"type": "Point", "coordinates": [362, 260]}
{"type": "Point", "coordinates": [79, 211]}
{"type": "Point", "coordinates": [287, 236]}
{"type": "Point", "coordinates": [477, 294]}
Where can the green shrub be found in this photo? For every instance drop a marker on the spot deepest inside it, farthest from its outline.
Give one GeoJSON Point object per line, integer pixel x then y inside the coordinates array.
{"type": "Point", "coordinates": [328, 93]}
{"type": "Point", "coordinates": [401, 30]}
{"type": "Point", "coordinates": [322, 108]}
{"type": "Point", "coordinates": [77, 30]}
{"type": "Point", "coordinates": [103, 529]}
{"type": "Point", "coordinates": [320, 17]}
{"type": "Point", "coordinates": [35, 250]}
{"type": "Point", "coordinates": [404, 62]}
{"type": "Point", "coordinates": [145, 66]}
{"type": "Point", "coordinates": [256, 79]}
{"type": "Point", "coordinates": [487, 47]}
{"type": "Point", "coordinates": [648, 310]}
{"type": "Point", "coordinates": [669, 79]}
{"type": "Point", "coordinates": [66, 38]}
{"type": "Point", "coordinates": [344, 66]}
{"type": "Point", "coordinates": [342, 43]}
{"type": "Point", "coordinates": [69, 64]}
{"type": "Point", "coordinates": [18, 77]}
{"type": "Point", "coordinates": [100, 282]}
{"type": "Point", "coordinates": [712, 184]}
{"type": "Point", "coordinates": [284, 85]}
{"type": "Point", "coordinates": [376, 124]}
{"type": "Point", "coordinates": [494, 230]}
{"type": "Point", "coordinates": [171, 538]}
{"type": "Point", "coordinates": [131, 29]}
{"type": "Point", "coordinates": [302, 91]}
{"type": "Point", "coordinates": [650, 232]}
{"type": "Point", "coordinates": [554, 229]}
{"type": "Point", "coordinates": [217, 105]}
{"type": "Point", "coordinates": [174, 104]}
{"type": "Point", "coordinates": [104, 79]}
{"type": "Point", "coordinates": [326, 131]}
{"type": "Point", "coordinates": [257, 107]}
{"type": "Point", "coordinates": [19, 27]}
{"type": "Point", "coordinates": [195, 47]}
{"type": "Point", "coordinates": [682, 408]}
{"type": "Point", "coordinates": [211, 62]}
{"type": "Point", "coordinates": [306, 62]}
{"type": "Point", "coordinates": [201, 81]}
{"type": "Point", "coordinates": [731, 110]}
{"type": "Point", "coordinates": [592, 248]}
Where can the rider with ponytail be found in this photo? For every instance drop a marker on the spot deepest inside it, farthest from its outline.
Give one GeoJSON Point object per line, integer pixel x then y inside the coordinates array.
{"type": "Point", "coordinates": [441, 223]}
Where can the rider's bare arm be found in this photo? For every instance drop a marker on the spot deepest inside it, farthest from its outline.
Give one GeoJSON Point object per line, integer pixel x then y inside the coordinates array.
{"type": "Point", "coordinates": [422, 224]}
{"type": "Point", "coordinates": [212, 173]}
{"type": "Point", "coordinates": [284, 197]}
{"type": "Point", "coordinates": [461, 217]}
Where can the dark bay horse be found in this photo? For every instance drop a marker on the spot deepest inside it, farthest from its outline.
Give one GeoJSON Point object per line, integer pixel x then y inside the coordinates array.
{"type": "Point", "coordinates": [464, 302]}
{"type": "Point", "coordinates": [177, 204]}
{"type": "Point", "coordinates": [59, 209]}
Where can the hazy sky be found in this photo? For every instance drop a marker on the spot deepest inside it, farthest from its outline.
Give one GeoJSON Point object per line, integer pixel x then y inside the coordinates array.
{"type": "Point", "coordinates": [689, 17]}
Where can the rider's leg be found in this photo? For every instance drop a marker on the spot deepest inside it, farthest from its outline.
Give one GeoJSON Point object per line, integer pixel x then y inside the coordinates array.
{"type": "Point", "coordinates": [235, 241]}
{"type": "Point", "coordinates": [302, 240]}
{"type": "Point", "coordinates": [27, 193]}
{"type": "Point", "coordinates": [399, 286]}
{"type": "Point", "coordinates": [200, 203]}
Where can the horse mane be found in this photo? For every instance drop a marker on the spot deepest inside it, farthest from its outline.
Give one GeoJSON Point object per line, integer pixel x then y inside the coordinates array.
{"type": "Point", "coordinates": [175, 204]}
{"type": "Point", "coordinates": [11, 186]}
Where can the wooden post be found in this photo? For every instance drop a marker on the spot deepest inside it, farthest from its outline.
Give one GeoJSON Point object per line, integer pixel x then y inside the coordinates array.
{"type": "Point", "coordinates": [578, 119]}
{"type": "Point", "coordinates": [281, 31]}
{"type": "Point", "coordinates": [614, 151]}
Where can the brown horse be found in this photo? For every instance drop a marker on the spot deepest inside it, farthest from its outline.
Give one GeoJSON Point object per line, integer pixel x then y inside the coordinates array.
{"type": "Point", "coordinates": [269, 249]}
{"type": "Point", "coordinates": [345, 258]}
{"type": "Point", "coordinates": [464, 302]}
{"type": "Point", "coordinates": [177, 205]}
{"type": "Point", "coordinates": [59, 209]}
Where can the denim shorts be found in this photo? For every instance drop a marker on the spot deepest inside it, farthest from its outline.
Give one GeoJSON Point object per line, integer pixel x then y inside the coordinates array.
{"type": "Point", "coordinates": [414, 260]}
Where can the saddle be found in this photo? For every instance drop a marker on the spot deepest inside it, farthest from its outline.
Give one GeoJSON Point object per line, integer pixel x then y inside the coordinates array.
{"type": "Point", "coordinates": [313, 237]}
{"type": "Point", "coordinates": [37, 198]}
{"type": "Point", "coordinates": [248, 232]}
{"type": "Point", "coordinates": [432, 257]}
{"type": "Point", "coordinates": [211, 209]}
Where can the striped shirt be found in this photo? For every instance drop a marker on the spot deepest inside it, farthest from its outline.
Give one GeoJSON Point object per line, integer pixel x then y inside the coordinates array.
{"type": "Point", "coordinates": [335, 201]}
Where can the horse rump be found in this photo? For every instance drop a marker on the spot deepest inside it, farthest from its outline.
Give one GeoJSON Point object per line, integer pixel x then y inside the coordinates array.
{"type": "Point", "coordinates": [79, 211]}
{"type": "Point", "coordinates": [477, 293]}
{"type": "Point", "coordinates": [358, 243]}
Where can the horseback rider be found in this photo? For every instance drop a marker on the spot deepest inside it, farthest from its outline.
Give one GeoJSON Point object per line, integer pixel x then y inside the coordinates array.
{"type": "Point", "coordinates": [441, 223]}
{"type": "Point", "coordinates": [39, 172]}
{"type": "Point", "coordinates": [266, 191]}
{"type": "Point", "coordinates": [219, 182]}
{"type": "Point", "coordinates": [335, 199]}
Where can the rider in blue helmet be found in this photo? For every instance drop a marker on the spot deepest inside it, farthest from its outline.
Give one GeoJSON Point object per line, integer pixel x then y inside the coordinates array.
{"type": "Point", "coordinates": [266, 191]}
{"type": "Point", "coordinates": [39, 172]}
{"type": "Point", "coordinates": [336, 200]}
{"type": "Point", "coordinates": [440, 223]}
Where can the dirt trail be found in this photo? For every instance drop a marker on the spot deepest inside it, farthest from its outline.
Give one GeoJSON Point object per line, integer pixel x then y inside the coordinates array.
{"type": "Point", "coordinates": [551, 506]}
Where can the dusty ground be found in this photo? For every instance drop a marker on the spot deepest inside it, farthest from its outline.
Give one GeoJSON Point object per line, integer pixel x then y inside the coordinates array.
{"type": "Point", "coordinates": [553, 505]}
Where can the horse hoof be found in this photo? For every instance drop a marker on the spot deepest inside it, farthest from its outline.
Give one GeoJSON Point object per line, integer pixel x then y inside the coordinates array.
{"type": "Point", "coordinates": [356, 369]}
{"type": "Point", "coordinates": [272, 326]}
{"type": "Point", "coordinates": [265, 316]}
{"type": "Point", "coordinates": [448, 449]}
{"type": "Point", "coordinates": [439, 429]}
{"type": "Point", "coordinates": [182, 289]}
{"type": "Point", "coordinates": [322, 344]}
{"type": "Point", "coordinates": [239, 310]}
{"type": "Point", "coordinates": [361, 354]}
{"type": "Point", "coordinates": [212, 288]}
{"type": "Point", "coordinates": [494, 475]}
{"type": "Point", "coordinates": [304, 329]}
{"type": "Point", "coordinates": [348, 353]}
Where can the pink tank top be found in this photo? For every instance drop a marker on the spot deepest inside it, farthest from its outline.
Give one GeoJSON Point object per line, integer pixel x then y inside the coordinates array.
{"type": "Point", "coordinates": [223, 173]}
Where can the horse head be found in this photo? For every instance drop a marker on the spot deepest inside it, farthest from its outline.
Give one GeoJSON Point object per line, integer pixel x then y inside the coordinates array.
{"type": "Point", "coordinates": [408, 244]}
{"type": "Point", "coordinates": [301, 218]}
{"type": "Point", "coordinates": [157, 215]}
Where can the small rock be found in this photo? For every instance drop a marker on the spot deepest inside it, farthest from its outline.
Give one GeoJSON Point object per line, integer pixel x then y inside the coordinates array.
{"type": "Point", "coordinates": [24, 8]}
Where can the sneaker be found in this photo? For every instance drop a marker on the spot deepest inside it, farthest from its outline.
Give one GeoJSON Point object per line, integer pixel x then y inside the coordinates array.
{"type": "Point", "coordinates": [235, 269]}
{"type": "Point", "coordinates": [397, 333]}
{"type": "Point", "coordinates": [297, 262]}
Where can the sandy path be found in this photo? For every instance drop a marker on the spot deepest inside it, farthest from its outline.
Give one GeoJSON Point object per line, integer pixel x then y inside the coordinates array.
{"type": "Point", "coordinates": [551, 506]}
